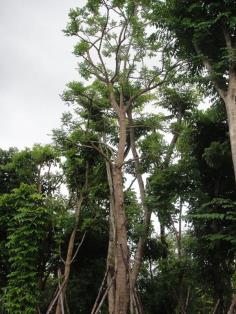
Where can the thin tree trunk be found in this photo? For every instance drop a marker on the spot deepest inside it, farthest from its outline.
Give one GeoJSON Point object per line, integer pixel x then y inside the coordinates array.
{"type": "Point", "coordinates": [111, 269]}
{"type": "Point", "coordinates": [69, 257]}
{"type": "Point", "coordinates": [167, 160]}
{"type": "Point", "coordinates": [121, 245]}
{"type": "Point", "coordinates": [179, 252]}
{"type": "Point", "coordinates": [111, 245]}
{"type": "Point", "coordinates": [232, 306]}
{"type": "Point", "coordinates": [216, 306]}
{"type": "Point", "coordinates": [230, 103]}
{"type": "Point", "coordinates": [179, 243]}
{"type": "Point", "coordinates": [146, 211]}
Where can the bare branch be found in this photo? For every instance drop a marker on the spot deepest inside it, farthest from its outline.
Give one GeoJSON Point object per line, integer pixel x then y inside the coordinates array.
{"type": "Point", "coordinates": [101, 152]}
{"type": "Point", "coordinates": [108, 147]}
{"type": "Point", "coordinates": [121, 39]}
{"type": "Point", "coordinates": [216, 306]}
{"type": "Point", "coordinates": [98, 76]}
{"type": "Point", "coordinates": [55, 298]}
{"type": "Point", "coordinates": [100, 292]}
{"type": "Point", "coordinates": [130, 42]}
{"type": "Point", "coordinates": [172, 144]}
{"type": "Point", "coordinates": [79, 246]}
{"type": "Point", "coordinates": [104, 296]}
{"type": "Point", "coordinates": [151, 86]}
{"type": "Point", "coordinates": [101, 41]}
{"type": "Point", "coordinates": [131, 184]}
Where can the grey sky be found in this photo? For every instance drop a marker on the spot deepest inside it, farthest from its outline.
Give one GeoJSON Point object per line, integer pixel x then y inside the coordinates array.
{"type": "Point", "coordinates": [35, 64]}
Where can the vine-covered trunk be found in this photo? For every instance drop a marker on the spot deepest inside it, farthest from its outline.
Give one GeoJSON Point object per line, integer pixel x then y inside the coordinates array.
{"type": "Point", "coordinates": [230, 102]}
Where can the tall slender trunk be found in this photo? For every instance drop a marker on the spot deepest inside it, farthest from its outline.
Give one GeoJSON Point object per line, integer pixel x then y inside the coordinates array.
{"type": "Point", "coordinates": [181, 298]}
{"type": "Point", "coordinates": [111, 245]}
{"type": "Point", "coordinates": [230, 103]}
{"type": "Point", "coordinates": [111, 267]}
{"type": "Point", "coordinates": [68, 261]}
{"type": "Point", "coordinates": [146, 211]}
{"type": "Point", "coordinates": [179, 239]}
{"type": "Point", "coordinates": [121, 245]}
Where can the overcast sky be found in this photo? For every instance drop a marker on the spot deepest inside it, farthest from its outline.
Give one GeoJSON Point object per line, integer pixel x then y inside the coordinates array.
{"type": "Point", "coordinates": [35, 64]}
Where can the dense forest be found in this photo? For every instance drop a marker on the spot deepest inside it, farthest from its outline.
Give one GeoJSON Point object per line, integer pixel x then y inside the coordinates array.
{"type": "Point", "coordinates": [132, 207]}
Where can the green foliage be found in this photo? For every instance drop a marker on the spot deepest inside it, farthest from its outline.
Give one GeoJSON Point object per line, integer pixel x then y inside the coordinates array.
{"type": "Point", "coordinates": [152, 148]}
{"type": "Point", "coordinates": [26, 229]}
{"type": "Point", "coordinates": [134, 216]}
{"type": "Point", "coordinates": [200, 29]}
{"type": "Point", "coordinates": [27, 167]}
{"type": "Point", "coordinates": [28, 211]}
{"type": "Point", "coordinates": [167, 280]}
{"type": "Point", "coordinates": [81, 48]}
{"type": "Point", "coordinates": [212, 201]}
{"type": "Point", "coordinates": [218, 212]}
{"type": "Point", "coordinates": [215, 154]}
{"type": "Point", "coordinates": [179, 100]}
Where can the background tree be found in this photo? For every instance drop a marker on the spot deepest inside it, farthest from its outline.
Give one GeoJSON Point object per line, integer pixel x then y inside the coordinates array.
{"type": "Point", "coordinates": [204, 35]}
{"type": "Point", "coordinates": [27, 208]}
{"type": "Point", "coordinates": [212, 209]}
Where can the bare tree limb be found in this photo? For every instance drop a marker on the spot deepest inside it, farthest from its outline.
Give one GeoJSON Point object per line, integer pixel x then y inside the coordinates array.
{"type": "Point", "coordinates": [104, 296]}
{"type": "Point", "coordinates": [99, 292]}
{"type": "Point", "coordinates": [216, 306]}
{"type": "Point", "coordinates": [78, 248]}
{"type": "Point", "coordinates": [151, 86]}
{"type": "Point", "coordinates": [131, 184]}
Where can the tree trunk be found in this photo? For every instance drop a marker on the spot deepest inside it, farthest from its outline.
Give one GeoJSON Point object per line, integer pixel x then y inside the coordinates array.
{"type": "Point", "coordinates": [232, 306]}
{"type": "Point", "coordinates": [111, 245]}
{"type": "Point", "coordinates": [146, 211]}
{"type": "Point", "coordinates": [111, 268]}
{"type": "Point", "coordinates": [121, 245]}
{"type": "Point", "coordinates": [66, 274]}
{"type": "Point", "coordinates": [179, 239]}
{"type": "Point", "coordinates": [230, 103]}
{"type": "Point", "coordinates": [69, 257]}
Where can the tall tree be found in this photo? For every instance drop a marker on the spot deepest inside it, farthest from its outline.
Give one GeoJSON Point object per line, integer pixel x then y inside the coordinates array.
{"type": "Point", "coordinates": [211, 201]}
{"type": "Point", "coordinates": [113, 45]}
{"type": "Point", "coordinates": [204, 33]}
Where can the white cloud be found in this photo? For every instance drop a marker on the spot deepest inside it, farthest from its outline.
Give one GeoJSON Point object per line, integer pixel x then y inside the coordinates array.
{"type": "Point", "coordinates": [35, 64]}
